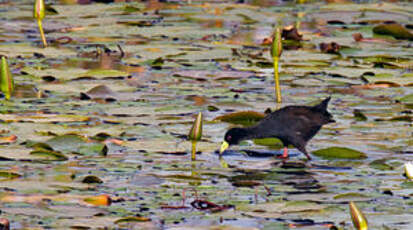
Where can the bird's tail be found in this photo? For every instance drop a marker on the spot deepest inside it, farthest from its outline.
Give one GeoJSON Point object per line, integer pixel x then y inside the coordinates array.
{"type": "Point", "coordinates": [323, 105]}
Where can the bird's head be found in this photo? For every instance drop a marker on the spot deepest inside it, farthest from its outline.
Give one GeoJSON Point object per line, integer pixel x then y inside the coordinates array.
{"type": "Point", "coordinates": [232, 137]}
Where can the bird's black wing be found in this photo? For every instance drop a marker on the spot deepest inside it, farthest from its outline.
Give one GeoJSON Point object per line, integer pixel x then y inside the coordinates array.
{"type": "Point", "coordinates": [292, 123]}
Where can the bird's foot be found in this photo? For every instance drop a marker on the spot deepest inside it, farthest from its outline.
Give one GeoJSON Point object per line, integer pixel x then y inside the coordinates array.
{"type": "Point", "coordinates": [282, 157]}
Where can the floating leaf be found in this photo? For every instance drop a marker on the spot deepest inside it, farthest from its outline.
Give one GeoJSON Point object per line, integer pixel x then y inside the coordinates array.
{"type": "Point", "coordinates": [50, 10]}
{"type": "Point", "coordinates": [6, 79]}
{"type": "Point", "coordinates": [270, 142]}
{"type": "Point", "coordinates": [99, 200]}
{"type": "Point", "coordinates": [380, 164]}
{"type": "Point", "coordinates": [132, 219]}
{"type": "Point", "coordinates": [395, 30]}
{"type": "Point", "coordinates": [92, 179]}
{"type": "Point", "coordinates": [9, 175]}
{"type": "Point", "coordinates": [131, 9]}
{"type": "Point", "coordinates": [9, 139]}
{"type": "Point", "coordinates": [349, 195]}
{"type": "Point", "coordinates": [195, 133]}
{"type": "Point", "coordinates": [359, 221]}
{"type": "Point", "coordinates": [340, 153]}
{"type": "Point", "coordinates": [212, 108]}
{"type": "Point", "coordinates": [273, 210]}
{"type": "Point", "coordinates": [331, 48]}
{"type": "Point", "coordinates": [246, 183]}
{"type": "Point", "coordinates": [242, 118]}
{"type": "Point", "coordinates": [66, 143]}
{"type": "Point", "coordinates": [291, 33]}
{"type": "Point", "coordinates": [93, 149]}
{"type": "Point", "coordinates": [401, 118]}
{"type": "Point", "coordinates": [72, 143]}
{"type": "Point", "coordinates": [246, 20]}
{"type": "Point", "coordinates": [100, 91]}
{"type": "Point", "coordinates": [408, 99]}
{"type": "Point", "coordinates": [359, 116]}
{"type": "Point", "coordinates": [49, 154]}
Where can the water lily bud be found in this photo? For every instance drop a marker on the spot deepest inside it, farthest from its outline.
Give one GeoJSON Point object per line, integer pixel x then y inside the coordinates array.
{"type": "Point", "coordinates": [277, 47]}
{"type": "Point", "coordinates": [408, 169]}
{"type": "Point", "coordinates": [359, 221]}
{"type": "Point", "coordinates": [39, 9]}
{"type": "Point", "coordinates": [6, 79]}
{"type": "Point", "coordinates": [195, 133]}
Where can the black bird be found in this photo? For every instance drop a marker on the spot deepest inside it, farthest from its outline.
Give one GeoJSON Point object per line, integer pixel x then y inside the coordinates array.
{"type": "Point", "coordinates": [294, 125]}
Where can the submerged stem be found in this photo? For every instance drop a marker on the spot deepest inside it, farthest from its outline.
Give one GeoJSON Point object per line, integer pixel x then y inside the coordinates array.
{"type": "Point", "coordinates": [277, 80]}
{"type": "Point", "coordinates": [39, 22]}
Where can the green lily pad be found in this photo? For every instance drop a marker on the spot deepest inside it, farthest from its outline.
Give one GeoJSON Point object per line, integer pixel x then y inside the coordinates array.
{"type": "Point", "coordinates": [380, 164]}
{"type": "Point", "coordinates": [242, 118]}
{"type": "Point", "coordinates": [9, 175]}
{"type": "Point", "coordinates": [71, 143]}
{"type": "Point", "coordinates": [408, 99]}
{"type": "Point", "coordinates": [132, 219]}
{"type": "Point", "coordinates": [273, 210]}
{"type": "Point", "coordinates": [349, 195]}
{"type": "Point", "coordinates": [395, 30]}
{"type": "Point", "coordinates": [359, 115]}
{"type": "Point", "coordinates": [340, 153]}
{"type": "Point", "coordinates": [270, 142]}
{"type": "Point", "coordinates": [49, 154]}
{"type": "Point", "coordinates": [105, 73]}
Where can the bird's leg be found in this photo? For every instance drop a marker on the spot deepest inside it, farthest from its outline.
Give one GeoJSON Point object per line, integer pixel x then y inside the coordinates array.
{"type": "Point", "coordinates": [285, 153]}
{"type": "Point", "coordinates": [303, 150]}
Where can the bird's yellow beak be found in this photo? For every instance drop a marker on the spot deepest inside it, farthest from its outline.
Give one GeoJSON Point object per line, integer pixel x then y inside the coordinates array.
{"type": "Point", "coordinates": [224, 146]}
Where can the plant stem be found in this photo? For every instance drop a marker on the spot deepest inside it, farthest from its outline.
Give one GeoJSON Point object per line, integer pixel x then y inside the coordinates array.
{"type": "Point", "coordinates": [39, 22]}
{"type": "Point", "coordinates": [193, 150]}
{"type": "Point", "coordinates": [277, 80]}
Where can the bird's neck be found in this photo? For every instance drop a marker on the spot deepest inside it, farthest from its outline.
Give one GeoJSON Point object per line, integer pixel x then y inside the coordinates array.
{"type": "Point", "coordinates": [251, 133]}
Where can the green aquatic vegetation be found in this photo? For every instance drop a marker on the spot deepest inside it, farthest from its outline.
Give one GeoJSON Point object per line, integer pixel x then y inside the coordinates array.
{"type": "Point", "coordinates": [38, 14]}
{"type": "Point", "coordinates": [6, 78]}
{"type": "Point", "coordinates": [243, 118]}
{"type": "Point", "coordinates": [195, 134]}
{"type": "Point", "coordinates": [340, 153]}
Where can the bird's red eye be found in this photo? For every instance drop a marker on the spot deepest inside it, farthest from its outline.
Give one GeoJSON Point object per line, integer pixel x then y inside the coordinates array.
{"type": "Point", "coordinates": [229, 138]}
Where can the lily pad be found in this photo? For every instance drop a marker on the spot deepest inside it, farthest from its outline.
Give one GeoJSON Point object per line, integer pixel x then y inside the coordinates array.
{"type": "Point", "coordinates": [340, 153]}
{"type": "Point", "coordinates": [408, 99]}
{"type": "Point", "coordinates": [380, 164]}
{"type": "Point", "coordinates": [242, 118]}
{"type": "Point", "coordinates": [273, 210]}
{"type": "Point", "coordinates": [92, 179]}
{"type": "Point", "coordinates": [395, 30]}
{"type": "Point", "coordinates": [9, 175]}
{"type": "Point", "coordinates": [49, 154]}
{"type": "Point", "coordinates": [350, 195]}
{"type": "Point", "coordinates": [274, 143]}
{"type": "Point", "coordinates": [132, 219]}
{"type": "Point", "coordinates": [71, 143]}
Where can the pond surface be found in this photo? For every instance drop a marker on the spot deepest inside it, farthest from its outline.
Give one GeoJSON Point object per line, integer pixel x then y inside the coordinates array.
{"type": "Point", "coordinates": [113, 97]}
